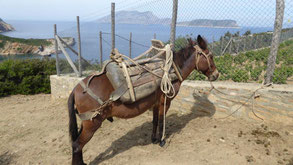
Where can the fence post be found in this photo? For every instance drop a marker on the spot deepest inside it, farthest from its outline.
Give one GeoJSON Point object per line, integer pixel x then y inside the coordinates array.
{"type": "Point", "coordinates": [113, 24]}
{"type": "Point", "coordinates": [56, 51]}
{"type": "Point", "coordinates": [221, 46]}
{"type": "Point", "coordinates": [255, 43]}
{"type": "Point", "coordinates": [130, 40]}
{"type": "Point", "coordinates": [244, 45]}
{"type": "Point", "coordinates": [79, 48]}
{"type": "Point", "coordinates": [280, 6]}
{"type": "Point", "coordinates": [101, 49]}
{"type": "Point", "coordinates": [155, 36]}
{"type": "Point", "coordinates": [213, 43]}
{"type": "Point", "coordinates": [230, 48]}
{"type": "Point", "coordinates": [173, 24]}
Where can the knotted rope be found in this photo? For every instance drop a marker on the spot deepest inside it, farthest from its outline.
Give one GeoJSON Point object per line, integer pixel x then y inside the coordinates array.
{"type": "Point", "coordinates": [166, 84]}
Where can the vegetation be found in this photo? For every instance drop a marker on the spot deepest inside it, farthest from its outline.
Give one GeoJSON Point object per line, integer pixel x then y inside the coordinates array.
{"type": "Point", "coordinates": [251, 66]}
{"type": "Point", "coordinates": [25, 76]}
{"type": "Point", "coordinates": [34, 42]}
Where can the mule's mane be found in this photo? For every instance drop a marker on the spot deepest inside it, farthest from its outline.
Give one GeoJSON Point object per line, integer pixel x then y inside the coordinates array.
{"type": "Point", "coordinates": [182, 55]}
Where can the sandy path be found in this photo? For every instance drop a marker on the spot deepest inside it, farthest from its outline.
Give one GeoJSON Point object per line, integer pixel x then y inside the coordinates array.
{"type": "Point", "coordinates": [33, 130]}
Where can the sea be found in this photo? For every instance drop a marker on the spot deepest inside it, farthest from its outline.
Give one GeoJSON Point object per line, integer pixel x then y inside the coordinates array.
{"type": "Point", "coordinates": [141, 36]}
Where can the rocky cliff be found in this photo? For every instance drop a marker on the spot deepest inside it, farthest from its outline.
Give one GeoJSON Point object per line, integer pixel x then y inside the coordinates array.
{"type": "Point", "coordinates": [135, 17]}
{"type": "Point", "coordinates": [12, 46]}
{"type": "Point", "coordinates": [210, 23]}
{"type": "Point", "coordinates": [4, 27]}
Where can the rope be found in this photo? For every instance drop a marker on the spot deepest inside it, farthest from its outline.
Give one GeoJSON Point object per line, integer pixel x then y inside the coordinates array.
{"type": "Point", "coordinates": [166, 84]}
{"type": "Point", "coordinates": [253, 96]}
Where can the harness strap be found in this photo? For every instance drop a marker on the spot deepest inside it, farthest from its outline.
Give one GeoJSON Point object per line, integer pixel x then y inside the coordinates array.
{"type": "Point", "coordinates": [198, 52]}
{"type": "Point", "coordinates": [90, 92]}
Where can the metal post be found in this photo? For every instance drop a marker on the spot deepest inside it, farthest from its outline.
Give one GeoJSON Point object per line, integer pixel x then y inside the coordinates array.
{"type": "Point", "coordinates": [155, 36]}
{"type": "Point", "coordinates": [130, 40]}
{"type": "Point", "coordinates": [173, 24]}
{"type": "Point", "coordinates": [101, 49]}
{"type": "Point", "coordinates": [221, 46]}
{"type": "Point", "coordinates": [280, 6]}
{"type": "Point", "coordinates": [244, 45]}
{"type": "Point", "coordinates": [56, 51]}
{"type": "Point", "coordinates": [255, 43]}
{"type": "Point", "coordinates": [113, 25]}
{"type": "Point", "coordinates": [213, 43]}
{"type": "Point", "coordinates": [230, 48]}
{"type": "Point", "coordinates": [79, 48]}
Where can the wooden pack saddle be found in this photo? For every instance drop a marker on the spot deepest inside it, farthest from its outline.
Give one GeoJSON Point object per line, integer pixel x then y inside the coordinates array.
{"type": "Point", "coordinates": [134, 79]}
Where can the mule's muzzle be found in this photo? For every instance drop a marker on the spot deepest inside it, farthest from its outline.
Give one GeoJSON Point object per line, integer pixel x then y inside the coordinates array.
{"type": "Point", "coordinates": [214, 76]}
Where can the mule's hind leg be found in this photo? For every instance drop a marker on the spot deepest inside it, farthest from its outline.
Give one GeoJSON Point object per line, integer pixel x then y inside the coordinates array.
{"type": "Point", "coordinates": [87, 132]}
{"type": "Point", "coordinates": [155, 140]}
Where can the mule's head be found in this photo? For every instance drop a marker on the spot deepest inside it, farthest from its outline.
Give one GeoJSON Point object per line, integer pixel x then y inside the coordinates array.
{"type": "Point", "coordinates": [204, 60]}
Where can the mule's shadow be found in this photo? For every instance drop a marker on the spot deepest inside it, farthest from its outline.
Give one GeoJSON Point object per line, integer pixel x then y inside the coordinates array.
{"type": "Point", "coordinates": [141, 135]}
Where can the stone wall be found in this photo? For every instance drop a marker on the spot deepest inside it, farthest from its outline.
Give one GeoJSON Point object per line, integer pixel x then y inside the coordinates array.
{"type": "Point", "coordinates": [273, 103]}
{"type": "Point", "coordinates": [61, 86]}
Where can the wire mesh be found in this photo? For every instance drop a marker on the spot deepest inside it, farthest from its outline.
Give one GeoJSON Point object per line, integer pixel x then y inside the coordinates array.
{"type": "Point", "coordinates": [239, 33]}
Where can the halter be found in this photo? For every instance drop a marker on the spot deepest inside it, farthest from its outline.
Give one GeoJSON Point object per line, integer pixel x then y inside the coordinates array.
{"type": "Point", "coordinates": [198, 52]}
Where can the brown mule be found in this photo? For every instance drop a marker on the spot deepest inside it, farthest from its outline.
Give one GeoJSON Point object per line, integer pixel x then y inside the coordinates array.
{"type": "Point", "coordinates": [187, 59]}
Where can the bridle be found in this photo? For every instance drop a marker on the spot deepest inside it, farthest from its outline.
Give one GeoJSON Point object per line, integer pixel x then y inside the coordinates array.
{"type": "Point", "coordinates": [198, 53]}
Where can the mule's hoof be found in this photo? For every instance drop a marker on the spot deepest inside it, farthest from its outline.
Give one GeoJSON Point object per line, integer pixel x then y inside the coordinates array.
{"type": "Point", "coordinates": [162, 143]}
{"type": "Point", "coordinates": [155, 140]}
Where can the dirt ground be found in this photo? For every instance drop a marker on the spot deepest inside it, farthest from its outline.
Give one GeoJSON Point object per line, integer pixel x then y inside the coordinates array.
{"type": "Point", "coordinates": [33, 130]}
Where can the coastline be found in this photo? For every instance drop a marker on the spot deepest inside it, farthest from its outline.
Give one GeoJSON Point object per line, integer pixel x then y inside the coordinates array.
{"type": "Point", "coordinates": [16, 48]}
{"type": "Point", "coordinates": [216, 27]}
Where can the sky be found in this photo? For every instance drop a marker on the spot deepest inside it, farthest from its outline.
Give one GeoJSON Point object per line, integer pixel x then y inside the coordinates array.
{"type": "Point", "coordinates": [245, 12]}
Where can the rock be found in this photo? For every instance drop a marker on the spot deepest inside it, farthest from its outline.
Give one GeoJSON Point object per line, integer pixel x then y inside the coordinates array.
{"type": "Point", "coordinates": [4, 27]}
{"type": "Point", "coordinates": [250, 158]}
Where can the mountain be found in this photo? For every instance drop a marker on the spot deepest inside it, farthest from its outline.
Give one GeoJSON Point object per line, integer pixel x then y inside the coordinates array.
{"type": "Point", "coordinates": [4, 27]}
{"type": "Point", "coordinates": [135, 17]}
{"type": "Point", "coordinates": [209, 23]}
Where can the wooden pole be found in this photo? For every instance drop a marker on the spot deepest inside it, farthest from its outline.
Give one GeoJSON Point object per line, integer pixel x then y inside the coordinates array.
{"type": "Point", "coordinates": [130, 40]}
{"type": "Point", "coordinates": [113, 25]}
{"type": "Point", "coordinates": [155, 36]}
{"type": "Point", "coordinates": [79, 48]}
{"type": "Point", "coordinates": [280, 6]}
{"type": "Point", "coordinates": [101, 49]}
{"type": "Point", "coordinates": [56, 51]}
{"type": "Point", "coordinates": [173, 24]}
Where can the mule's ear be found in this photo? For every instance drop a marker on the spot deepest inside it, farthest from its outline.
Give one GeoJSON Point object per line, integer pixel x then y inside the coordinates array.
{"type": "Point", "coordinates": [201, 42]}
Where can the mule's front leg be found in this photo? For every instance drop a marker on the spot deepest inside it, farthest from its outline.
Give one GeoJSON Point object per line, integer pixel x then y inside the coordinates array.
{"type": "Point", "coordinates": [161, 119]}
{"type": "Point", "coordinates": [87, 132]}
{"type": "Point", "coordinates": [155, 140]}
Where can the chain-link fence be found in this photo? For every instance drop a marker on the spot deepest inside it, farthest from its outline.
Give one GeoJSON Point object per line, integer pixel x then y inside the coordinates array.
{"type": "Point", "coordinates": [239, 34]}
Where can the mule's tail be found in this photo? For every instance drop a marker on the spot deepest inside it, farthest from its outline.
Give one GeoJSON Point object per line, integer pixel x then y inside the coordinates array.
{"type": "Point", "coordinates": [73, 130]}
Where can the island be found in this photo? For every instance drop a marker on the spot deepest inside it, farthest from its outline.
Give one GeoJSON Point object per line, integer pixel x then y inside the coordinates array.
{"type": "Point", "coordinates": [210, 23]}
{"type": "Point", "coordinates": [18, 46]}
{"type": "Point", "coordinates": [4, 27]}
{"type": "Point", "coordinates": [135, 17]}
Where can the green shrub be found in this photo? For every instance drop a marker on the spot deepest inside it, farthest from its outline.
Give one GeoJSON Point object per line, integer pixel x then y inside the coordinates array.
{"type": "Point", "coordinates": [34, 42]}
{"type": "Point", "coordinates": [25, 76]}
{"type": "Point", "coordinates": [255, 73]}
{"type": "Point", "coordinates": [240, 75]}
{"type": "Point", "coordinates": [195, 75]}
